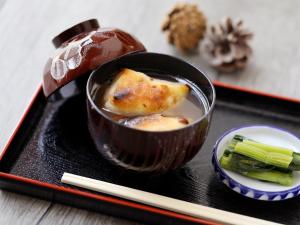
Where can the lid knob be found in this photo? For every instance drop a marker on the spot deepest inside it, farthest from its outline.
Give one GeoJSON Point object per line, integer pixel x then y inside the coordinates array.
{"type": "Point", "coordinates": [84, 26]}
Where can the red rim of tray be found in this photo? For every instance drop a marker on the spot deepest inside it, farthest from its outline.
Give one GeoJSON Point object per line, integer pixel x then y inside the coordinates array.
{"type": "Point", "coordinates": [112, 199]}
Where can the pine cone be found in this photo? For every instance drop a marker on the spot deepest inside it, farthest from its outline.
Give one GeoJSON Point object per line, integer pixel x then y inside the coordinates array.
{"type": "Point", "coordinates": [185, 25]}
{"type": "Point", "coordinates": [227, 45]}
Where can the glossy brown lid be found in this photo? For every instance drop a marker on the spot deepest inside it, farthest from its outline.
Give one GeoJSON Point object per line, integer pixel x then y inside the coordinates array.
{"type": "Point", "coordinates": [82, 48]}
{"type": "Point", "coordinates": [84, 26]}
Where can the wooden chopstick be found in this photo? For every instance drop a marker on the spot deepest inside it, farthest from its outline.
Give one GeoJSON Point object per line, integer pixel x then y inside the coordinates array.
{"type": "Point", "coordinates": [162, 202]}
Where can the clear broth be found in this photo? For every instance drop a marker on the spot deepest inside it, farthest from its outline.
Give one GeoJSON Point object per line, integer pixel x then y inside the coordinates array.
{"type": "Point", "coordinates": [193, 107]}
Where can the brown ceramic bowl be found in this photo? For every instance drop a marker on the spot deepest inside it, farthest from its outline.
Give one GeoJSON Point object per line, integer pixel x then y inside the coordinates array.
{"type": "Point", "coordinates": [147, 151]}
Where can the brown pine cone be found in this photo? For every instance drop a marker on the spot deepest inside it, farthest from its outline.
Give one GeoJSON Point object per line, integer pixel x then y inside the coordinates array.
{"type": "Point", "coordinates": [227, 45]}
{"type": "Point", "coordinates": [185, 26]}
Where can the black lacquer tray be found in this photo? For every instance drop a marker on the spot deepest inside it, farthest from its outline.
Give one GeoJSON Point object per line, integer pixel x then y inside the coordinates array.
{"type": "Point", "coordinates": [52, 138]}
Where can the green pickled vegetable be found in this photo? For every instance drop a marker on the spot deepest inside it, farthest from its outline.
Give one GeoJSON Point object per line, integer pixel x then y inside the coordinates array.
{"type": "Point", "coordinates": [266, 147]}
{"type": "Point", "coordinates": [260, 161]}
{"type": "Point", "coordinates": [274, 176]}
{"type": "Point", "coordinates": [295, 164]}
{"type": "Point", "coordinates": [275, 158]}
{"type": "Point", "coordinates": [243, 163]}
{"type": "Point", "coordinates": [255, 169]}
{"type": "Point", "coordinates": [268, 157]}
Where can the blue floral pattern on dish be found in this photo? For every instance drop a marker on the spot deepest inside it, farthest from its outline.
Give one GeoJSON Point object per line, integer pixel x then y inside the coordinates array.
{"type": "Point", "coordinates": [246, 189]}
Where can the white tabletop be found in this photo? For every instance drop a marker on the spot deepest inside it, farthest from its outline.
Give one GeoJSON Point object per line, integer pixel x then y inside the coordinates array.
{"type": "Point", "coordinates": [26, 30]}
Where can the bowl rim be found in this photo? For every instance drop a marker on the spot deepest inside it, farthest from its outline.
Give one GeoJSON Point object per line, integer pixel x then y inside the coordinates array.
{"type": "Point", "coordinates": [220, 170]}
{"type": "Point", "coordinates": [94, 106]}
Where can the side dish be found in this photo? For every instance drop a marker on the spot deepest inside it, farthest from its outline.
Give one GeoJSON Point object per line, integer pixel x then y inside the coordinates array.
{"type": "Point", "coordinates": [260, 161]}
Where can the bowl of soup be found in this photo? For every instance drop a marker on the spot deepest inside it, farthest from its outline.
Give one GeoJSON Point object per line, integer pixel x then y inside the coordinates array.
{"type": "Point", "coordinates": [149, 112]}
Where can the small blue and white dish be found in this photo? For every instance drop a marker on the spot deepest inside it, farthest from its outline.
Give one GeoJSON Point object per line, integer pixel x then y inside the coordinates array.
{"type": "Point", "coordinates": [252, 188]}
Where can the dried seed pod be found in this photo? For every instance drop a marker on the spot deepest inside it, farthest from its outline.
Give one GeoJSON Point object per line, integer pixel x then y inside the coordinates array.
{"type": "Point", "coordinates": [227, 45]}
{"type": "Point", "coordinates": [185, 26]}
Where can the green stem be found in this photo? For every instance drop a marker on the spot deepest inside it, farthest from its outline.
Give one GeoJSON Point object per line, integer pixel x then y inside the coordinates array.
{"type": "Point", "coordinates": [244, 163]}
{"type": "Point", "coordinates": [270, 148]}
{"type": "Point", "coordinates": [266, 147]}
{"type": "Point", "coordinates": [254, 169]}
{"type": "Point", "coordinates": [295, 164]}
{"type": "Point", "coordinates": [272, 158]}
{"type": "Point", "coordinates": [274, 176]}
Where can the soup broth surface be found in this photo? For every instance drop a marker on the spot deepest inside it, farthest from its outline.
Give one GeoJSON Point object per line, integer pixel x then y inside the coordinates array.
{"type": "Point", "coordinates": [193, 107]}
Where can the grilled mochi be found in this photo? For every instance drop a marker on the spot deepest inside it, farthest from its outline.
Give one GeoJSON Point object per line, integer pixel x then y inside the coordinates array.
{"type": "Point", "coordinates": [133, 93]}
{"type": "Point", "coordinates": [157, 122]}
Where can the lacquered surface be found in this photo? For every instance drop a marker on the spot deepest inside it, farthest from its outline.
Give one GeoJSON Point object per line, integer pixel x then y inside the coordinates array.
{"type": "Point", "coordinates": [53, 144]}
{"type": "Point", "coordinates": [274, 67]}
{"type": "Point", "coordinates": [84, 52]}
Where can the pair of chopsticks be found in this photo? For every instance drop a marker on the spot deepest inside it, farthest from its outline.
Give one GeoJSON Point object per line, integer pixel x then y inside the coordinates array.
{"type": "Point", "coordinates": [162, 202]}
